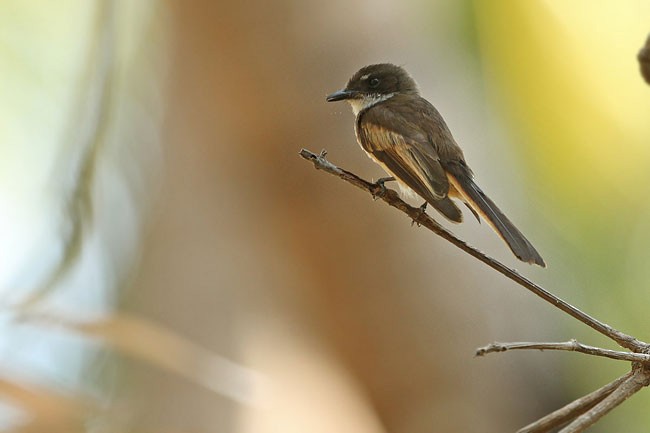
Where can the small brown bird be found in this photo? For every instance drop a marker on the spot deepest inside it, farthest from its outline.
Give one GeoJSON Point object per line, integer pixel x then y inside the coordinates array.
{"type": "Point", "coordinates": [405, 134]}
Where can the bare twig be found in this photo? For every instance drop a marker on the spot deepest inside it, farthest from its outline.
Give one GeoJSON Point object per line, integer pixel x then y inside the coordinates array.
{"type": "Point", "coordinates": [422, 218]}
{"type": "Point", "coordinates": [571, 345]}
{"type": "Point", "coordinates": [639, 379]}
{"type": "Point", "coordinates": [574, 409]}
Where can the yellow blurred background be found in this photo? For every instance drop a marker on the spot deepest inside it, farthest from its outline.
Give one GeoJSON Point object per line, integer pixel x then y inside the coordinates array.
{"type": "Point", "coordinates": [169, 263]}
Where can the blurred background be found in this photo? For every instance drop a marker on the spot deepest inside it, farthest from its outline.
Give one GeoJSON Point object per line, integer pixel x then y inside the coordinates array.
{"type": "Point", "coordinates": [169, 264]}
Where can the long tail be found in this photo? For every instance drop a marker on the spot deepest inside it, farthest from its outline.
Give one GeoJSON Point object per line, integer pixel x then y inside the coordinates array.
{"type": "Point", "coordinates": [481, 204]}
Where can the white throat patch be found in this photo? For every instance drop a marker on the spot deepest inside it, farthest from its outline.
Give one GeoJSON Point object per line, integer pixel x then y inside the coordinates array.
{"type": "Point", "coordinates": [368, 101]}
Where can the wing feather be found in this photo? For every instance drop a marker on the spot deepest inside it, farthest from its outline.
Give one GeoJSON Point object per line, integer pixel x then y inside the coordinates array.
{"type": "Point", "coordinates": [415, 163]}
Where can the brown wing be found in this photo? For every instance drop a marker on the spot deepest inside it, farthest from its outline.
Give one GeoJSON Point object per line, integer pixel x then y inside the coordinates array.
{"type": "Point", "coordinates": [402, 134]}
{"type": "Point", "coordinates": [422, 173]}
{"type": "Point", "coordinates": [395, 133]}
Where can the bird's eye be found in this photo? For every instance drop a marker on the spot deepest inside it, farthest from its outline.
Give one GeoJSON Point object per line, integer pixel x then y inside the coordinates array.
{"type": "Point", "coordinates": [374, 82]}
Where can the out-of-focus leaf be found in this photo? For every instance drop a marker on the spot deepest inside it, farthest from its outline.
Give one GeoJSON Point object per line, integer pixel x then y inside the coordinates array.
{"type": "Point", "coordinates": [44, 405]}
{"type": "Point", "coordinates": [164, 348]}
{"type": "Point", "coordinates": [564, 74]}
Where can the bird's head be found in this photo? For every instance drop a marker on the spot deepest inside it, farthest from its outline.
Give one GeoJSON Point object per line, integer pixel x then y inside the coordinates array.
{"type": "Point", "coordinates": [374, 83]}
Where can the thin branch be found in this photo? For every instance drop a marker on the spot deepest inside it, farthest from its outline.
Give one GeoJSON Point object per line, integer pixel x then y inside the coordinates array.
{"type": "Point", "coordinates": [639, 379]}
{"type": "Point", "coordinates": [422, 218]}
{"type": "Point", "coordinates": [574, 409]}
{"type": "Point", "coordinates": [571, 346]}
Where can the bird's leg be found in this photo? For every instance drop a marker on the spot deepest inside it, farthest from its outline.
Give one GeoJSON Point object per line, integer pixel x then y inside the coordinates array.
{"type": "Point", "coordinates": [422, 211]}
{"type": "Point", "coordinates": [380, 189]}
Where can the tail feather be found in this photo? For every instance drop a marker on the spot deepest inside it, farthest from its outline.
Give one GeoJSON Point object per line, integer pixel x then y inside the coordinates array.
{"type": "Point", "coordinates": [481, 204]}
{"type": "Point", "coordinates": [448, 208]}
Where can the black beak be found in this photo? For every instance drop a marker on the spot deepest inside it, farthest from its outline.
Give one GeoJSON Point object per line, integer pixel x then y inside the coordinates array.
{"type": "Point", "coordinates": [341, 95]}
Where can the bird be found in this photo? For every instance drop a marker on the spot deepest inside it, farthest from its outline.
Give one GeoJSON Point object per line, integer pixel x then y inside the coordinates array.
{"type": "Point", "coordinates": [406, 135]}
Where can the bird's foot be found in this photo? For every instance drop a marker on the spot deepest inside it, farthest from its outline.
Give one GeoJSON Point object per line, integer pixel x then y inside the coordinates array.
{"type": "Point", "coordinates": [421, 211]}
{"type": "Point", "coordinates": [379, 189]}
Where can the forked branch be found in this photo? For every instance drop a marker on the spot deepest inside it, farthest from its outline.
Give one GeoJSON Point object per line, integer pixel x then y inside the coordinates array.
{"type": "Point", "coordinates": [581, 413]}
